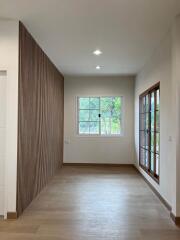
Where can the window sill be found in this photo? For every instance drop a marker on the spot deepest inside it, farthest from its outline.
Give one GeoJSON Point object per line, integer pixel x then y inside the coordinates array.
{"type": "Point", "coordinates": [99, 136]}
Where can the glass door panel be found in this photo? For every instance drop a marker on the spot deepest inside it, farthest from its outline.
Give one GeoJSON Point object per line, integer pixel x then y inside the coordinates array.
{"type": "Point", "coordinates": [150, 131]}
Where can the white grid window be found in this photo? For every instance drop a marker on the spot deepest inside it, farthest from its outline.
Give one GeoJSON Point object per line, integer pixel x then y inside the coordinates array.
{"type": "Point", "coordinates": [100, 116]}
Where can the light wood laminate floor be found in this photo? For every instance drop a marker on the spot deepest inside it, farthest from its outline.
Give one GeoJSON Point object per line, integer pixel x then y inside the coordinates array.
{"type": "Point", "coordinates": [94, 203]}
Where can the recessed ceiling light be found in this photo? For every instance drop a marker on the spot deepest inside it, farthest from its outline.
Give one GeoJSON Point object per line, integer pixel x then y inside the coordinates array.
{"type": "Point", "coordinates": [97, 52]}
{"type": "Point", "coordinates": [98, 67]}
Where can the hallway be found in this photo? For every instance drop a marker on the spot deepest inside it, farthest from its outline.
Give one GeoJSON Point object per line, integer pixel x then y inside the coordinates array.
{"type": "Point", "coordinates": [93, 203]}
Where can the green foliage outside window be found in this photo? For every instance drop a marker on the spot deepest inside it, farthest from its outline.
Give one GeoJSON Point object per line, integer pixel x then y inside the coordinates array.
{"type": "Point", "coordinates": [100, 115]}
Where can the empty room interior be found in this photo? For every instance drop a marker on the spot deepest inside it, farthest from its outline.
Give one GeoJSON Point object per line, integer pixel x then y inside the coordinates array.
{"type": "Point", "coordinates": [89, 120]}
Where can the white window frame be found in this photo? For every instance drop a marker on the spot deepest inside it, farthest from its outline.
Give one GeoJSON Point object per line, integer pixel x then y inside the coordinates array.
{"type": "Point", "coordinates": [99, 135]}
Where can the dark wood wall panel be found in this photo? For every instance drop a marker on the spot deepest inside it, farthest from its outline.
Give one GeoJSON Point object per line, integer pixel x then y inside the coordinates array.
{"type": "Point", "coordinates": [40, 120]}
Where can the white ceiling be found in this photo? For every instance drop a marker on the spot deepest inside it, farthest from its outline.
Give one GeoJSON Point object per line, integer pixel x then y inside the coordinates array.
{"type": "Point", "coordinates": [127, 31]}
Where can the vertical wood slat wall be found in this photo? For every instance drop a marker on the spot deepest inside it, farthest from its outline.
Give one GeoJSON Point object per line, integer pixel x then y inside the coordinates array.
{"type": "Point", "coordinates": [40, 120]}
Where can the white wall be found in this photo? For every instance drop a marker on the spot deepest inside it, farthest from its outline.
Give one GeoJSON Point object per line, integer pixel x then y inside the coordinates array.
{"type": "Point", "coordinates": [175, 159]}
{"type": "Point", "coordinates": [3, 81]}
{"type": "Point", "coordinates": [118, 150]}
{"type": "Point", "coordinates": [159, 68]}
{"type": "Point", "coordinates": [9, 62]}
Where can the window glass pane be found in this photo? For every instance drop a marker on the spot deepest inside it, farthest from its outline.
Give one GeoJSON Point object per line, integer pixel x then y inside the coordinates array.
{"type": "Point", "coordinates": [84, 103]}
{"type": "Point", "coordinates": [157, 164]}
{"type": "Point", "coordinates": [152, 120]}
{"type": "Point", "coordinates": [146, 140]}
{"type": "Point", "coordinates": [152, 110]}
{"type": "Point", "coordinates": [106, 107]}
{"type": "Point", "coordinates": [147, 158]}
{"type": "Point", "coordinates": [83, 115]}
{"type": "Point", "coordinates": [116, 115]}
{"type": "Point", "coordinates": [152, 162]}
{"type": "Point", "coordinates": [142, 156]}
{"type": "Point", "coordinates": [105, 126]}
{"type": "Point", "coordinates": [157, 100]}
{"type": "Point", "coordinates": [142, 139]}
{"type": "Point", "coordinates": [116, 126]}
{"type": "Point", "coordinates": [152, 142]}
{"type": "Point", "coordinates": [111, 115]}
{"type": "Point", "coordinates": [152, 102]}
{"type": "Point", "coordinates": [147, 121]}
{"type": "Point", "coordinates": [157, 142]}
{"type": "Point", "coordinates": [84, 127]}
{"type": "Point", "coordinates": [94, 115]}
{"type": "Point", "coordinates": [147, 103]}
{"type": "Point", "coordinates": [157, 122]}
{"type": "Point", "coordinates": [143, 121]}
{"type": "Point", "coordinates": [116, 107]}
{"type": "Point", "coordinates": [94, 103]}
{"type": "Point", "coordinates": [143, 105]}
{"type": "Point", "coordinates": [94, 127]}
